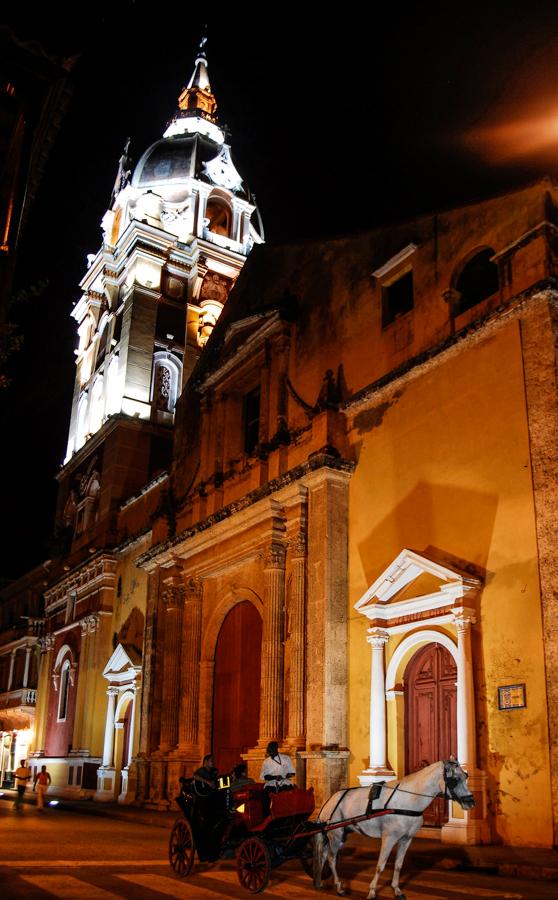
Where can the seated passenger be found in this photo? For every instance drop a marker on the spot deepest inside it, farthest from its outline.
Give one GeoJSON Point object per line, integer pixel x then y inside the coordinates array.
{"type": "Point", "coordinates": [207, 773]}
{"type": "Point", "coordinates": [276, 770]}
{"type": "Point", "coordinates": [240, 777]}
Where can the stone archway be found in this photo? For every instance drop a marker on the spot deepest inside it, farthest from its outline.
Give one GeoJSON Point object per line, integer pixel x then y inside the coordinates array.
{"type": "Point", "coordinates": [236, 685]}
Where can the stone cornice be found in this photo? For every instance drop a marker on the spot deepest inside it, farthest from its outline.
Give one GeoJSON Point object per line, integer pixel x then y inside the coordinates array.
{"type": "Point", "coordinates": [163, 551]}
{"type": "Point", "coordinates": [96, 572]}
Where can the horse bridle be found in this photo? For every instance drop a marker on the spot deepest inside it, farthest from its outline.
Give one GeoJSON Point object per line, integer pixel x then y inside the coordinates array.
{"type": "Point", "coordinates": [451, 782]}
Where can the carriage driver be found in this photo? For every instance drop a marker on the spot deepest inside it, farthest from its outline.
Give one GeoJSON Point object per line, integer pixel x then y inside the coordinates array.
{"type": "Point", "coordinates": [277, 768]}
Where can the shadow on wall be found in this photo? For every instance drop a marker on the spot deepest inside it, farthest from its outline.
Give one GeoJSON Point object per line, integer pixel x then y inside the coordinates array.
{"type": "Point", "coordinates": [431, 516]}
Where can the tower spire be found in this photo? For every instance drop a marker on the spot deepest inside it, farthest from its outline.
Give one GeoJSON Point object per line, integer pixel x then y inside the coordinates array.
{"type": "Point", "coordinates": [197, 98]}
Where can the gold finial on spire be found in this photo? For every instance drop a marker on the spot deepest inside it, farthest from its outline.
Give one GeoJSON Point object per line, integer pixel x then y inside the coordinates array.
{"type": "Point", "coordinates": [197, 98]}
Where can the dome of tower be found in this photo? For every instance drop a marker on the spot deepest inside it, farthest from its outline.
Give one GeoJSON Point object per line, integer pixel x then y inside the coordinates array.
{"type": "Point", "coordinates": [174, 159]}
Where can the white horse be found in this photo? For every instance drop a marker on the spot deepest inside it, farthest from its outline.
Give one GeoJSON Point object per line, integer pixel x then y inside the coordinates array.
{"type": "Point", "coordinates": [408, 797]}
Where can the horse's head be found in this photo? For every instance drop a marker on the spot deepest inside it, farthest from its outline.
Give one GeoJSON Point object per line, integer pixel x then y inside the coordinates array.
{"type": "Point", "coordinates": [455, 784]}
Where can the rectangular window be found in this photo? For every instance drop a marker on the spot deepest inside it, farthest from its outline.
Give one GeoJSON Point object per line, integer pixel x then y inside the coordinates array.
{"type": "Point", "coordinates": [251, 421]}
{"type": "Point", "coordinates": [397, 298]}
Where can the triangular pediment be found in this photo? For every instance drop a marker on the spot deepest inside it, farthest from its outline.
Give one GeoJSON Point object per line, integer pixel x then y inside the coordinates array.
{"type": "Point", "coordinates": [123, 665]}
{"type": "Point", "coordinates": [415, 581]}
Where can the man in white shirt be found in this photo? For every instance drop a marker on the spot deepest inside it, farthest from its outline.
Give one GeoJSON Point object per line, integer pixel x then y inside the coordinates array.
{"type": "Point", "coordinates": [277, 769]}
{"type": "Point", "coordinates": [22, 775]}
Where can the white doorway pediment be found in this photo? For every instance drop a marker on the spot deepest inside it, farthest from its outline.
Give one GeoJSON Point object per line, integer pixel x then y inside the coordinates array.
{"type": "Point", "coordinates": [124, 665]}
{"type": "Point", "coordinates": [415, 583]}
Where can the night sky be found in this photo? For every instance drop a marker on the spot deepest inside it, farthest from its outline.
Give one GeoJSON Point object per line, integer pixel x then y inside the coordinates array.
{"type": "Point", "coordinates": [340, 121]}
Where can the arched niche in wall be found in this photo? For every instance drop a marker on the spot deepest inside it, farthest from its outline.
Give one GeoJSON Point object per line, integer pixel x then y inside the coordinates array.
{"type": "Point", "coordinates": [218, 214]}
{"type": "Point", "coordinates": [476, 280]}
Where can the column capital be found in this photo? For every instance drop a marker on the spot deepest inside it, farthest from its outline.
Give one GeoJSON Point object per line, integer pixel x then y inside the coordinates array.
{"type": "Point", "coordinates": [90, 623]}
{"type": "Point", "coordinates": [46, 643]}
{"type": "Point", "coordinates": [274, 556]}
{"type": "Point", "coordinates": [194, 589]}
{"type": "Point", "coordinates": [463, 618]}
{"type": "Point", "coordinates": [112, 691]}
{"type": "Point", "coordinates": [297, 545]}
{"type": "Point", "coordinates": [378, 638]}
{"type": "Point", "coordinates": [174, 596]}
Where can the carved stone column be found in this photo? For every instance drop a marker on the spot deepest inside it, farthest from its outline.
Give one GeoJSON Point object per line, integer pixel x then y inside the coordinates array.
{"type": "Point", "coordinates": [147, 699]}
{"type": "Point", "coordinates": [190, 668]}
{"type": "Point", "coordinates": [173, 600]}
{"type": "Point", "coordinates": [297, 610]}
{"type": "Point", "coordinates": [46, 645]}
{"type": "Point", "coordinates": [271, 703]}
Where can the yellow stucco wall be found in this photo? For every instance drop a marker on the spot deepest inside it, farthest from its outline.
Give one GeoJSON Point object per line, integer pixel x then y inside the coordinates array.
{"type": "Point", "coordinates": [446, 465]}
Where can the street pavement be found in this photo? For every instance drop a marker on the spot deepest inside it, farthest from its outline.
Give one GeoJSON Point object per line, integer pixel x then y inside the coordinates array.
{"type": "Point", "coordinates": [69, 855]}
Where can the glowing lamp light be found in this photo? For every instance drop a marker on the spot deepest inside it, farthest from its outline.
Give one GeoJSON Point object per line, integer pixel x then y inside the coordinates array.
{"type": "Point", "coordinates": [53, 802]}
{"type": "Point", "coordinates": [241, 808]}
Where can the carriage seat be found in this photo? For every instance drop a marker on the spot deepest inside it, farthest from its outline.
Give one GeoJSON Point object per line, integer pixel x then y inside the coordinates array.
{"type": "Point", "coordinates": [298, 802]}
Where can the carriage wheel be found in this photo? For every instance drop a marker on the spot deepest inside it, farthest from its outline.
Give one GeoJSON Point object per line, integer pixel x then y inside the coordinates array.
{"type": "Point", "coordinates": [181, 847]}
{"type": "Point", "coordinates": [253, 865]}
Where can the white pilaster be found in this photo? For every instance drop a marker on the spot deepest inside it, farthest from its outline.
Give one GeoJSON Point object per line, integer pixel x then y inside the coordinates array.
{"type": "Point", "coordinates": [463, 618]}
{"type": "Point", "coordinates": [108, 748]}
{"type": "Point", "coordinates": [26, 669]}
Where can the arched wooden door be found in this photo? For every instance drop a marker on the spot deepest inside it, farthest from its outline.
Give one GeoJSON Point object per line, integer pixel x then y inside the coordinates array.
{"type": "Point", "coordinates": [430, 715]}
{"type": "Point", "coordinates": [236, 691]}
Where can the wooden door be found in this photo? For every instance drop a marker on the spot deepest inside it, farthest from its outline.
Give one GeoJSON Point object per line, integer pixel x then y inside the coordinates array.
{"type": "Point", "coordinates": [430, 716]}
{"type": "Point", "coordinates": [236, 691]}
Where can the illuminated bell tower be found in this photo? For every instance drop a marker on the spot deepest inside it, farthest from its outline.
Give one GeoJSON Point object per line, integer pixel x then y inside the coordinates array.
{"type": "Point", "coordinates": [176, 235]}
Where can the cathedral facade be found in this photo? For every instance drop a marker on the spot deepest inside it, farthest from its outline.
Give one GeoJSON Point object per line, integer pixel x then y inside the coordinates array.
{"type": "Point", "coordinates": [360, 559]}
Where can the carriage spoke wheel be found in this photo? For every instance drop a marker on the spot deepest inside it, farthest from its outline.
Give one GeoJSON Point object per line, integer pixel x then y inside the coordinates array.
{"type": "Point", "coordinates": [181, 847]}
{"type": "Point", "coordinates": [253, 865]}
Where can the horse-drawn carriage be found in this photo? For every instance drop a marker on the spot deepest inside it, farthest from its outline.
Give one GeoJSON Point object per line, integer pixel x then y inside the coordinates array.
{"type": "Point", "coordinates": [263, 829]}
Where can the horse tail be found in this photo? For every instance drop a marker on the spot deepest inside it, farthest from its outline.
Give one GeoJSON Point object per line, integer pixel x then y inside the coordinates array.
{"type": "Point", "coordinates": [318, 858]}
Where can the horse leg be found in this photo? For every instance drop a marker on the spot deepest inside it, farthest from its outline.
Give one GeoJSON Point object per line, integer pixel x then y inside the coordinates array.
{"type": "Point", "coordinates": [402, 848]}
{"type": "Point", "coordinates": [388, 842]}
{"type": "Point", "coordinates": [334, 844]}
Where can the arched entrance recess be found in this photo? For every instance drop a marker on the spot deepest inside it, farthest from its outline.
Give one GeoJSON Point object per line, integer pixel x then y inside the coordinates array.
{"type": "Point", "coordinates": [430, 715]}
{"type": "Point", "coordinates": [236, 686]}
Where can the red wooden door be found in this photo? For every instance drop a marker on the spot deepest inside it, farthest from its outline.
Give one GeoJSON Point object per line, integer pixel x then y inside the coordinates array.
{"type": "Point", "coordinates": [430, 715]}
{"type": "Point", "coordinates": [236, 691]}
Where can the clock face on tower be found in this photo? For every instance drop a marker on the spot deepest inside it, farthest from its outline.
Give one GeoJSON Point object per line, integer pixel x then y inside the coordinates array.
{"type": "Point", "coordinates": [221, 171]}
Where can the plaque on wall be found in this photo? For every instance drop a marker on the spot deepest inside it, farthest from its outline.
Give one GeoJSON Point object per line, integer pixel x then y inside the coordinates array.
{"type": "Point", "coordinates": [512, 696]}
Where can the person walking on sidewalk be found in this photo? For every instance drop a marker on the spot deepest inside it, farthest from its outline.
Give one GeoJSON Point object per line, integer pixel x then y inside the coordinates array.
{"type": "Point", "coordinates": [41, 783]}
{"type": "Point", "coordinates": [22, 775]}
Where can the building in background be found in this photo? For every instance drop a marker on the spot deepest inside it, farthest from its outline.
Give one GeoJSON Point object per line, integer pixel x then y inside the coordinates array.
{"type": "Point", "coordinates": [361, 562]}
